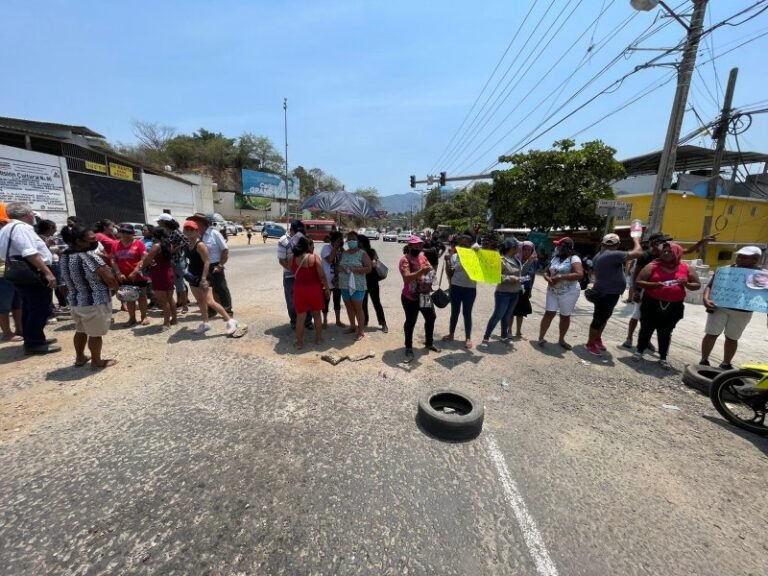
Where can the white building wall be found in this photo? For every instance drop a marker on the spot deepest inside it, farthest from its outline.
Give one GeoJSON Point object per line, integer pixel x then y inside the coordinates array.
{"type": "Point", "coordinates": [204, 191]}
{"type": "Point", "coordinates": [166, 194]}
{"type": "Point", "coordinates": [22, 155]}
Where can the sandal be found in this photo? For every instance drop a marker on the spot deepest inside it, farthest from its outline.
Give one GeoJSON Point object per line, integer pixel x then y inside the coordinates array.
{"type": "Point", "coordinates": [103, 364]}
{"type": "Point", "coordinates": [359, 337]}
{"type": "Point", "coordinates": [448, 338]}
{"type": "Point", "coordinates": [82, 362]}
{"type": "Point", "coordinates": [13, 338]}
{"type": "Point", "coordinates": [468, 344]}
{"type": "Point", "coordinates": [145, 322]}
{"type": "Point", "coordinates": [565, 345]}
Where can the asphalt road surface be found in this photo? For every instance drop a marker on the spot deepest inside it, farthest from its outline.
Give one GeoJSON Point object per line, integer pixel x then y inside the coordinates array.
{"type": "Point", "coordinates": [208, 455]}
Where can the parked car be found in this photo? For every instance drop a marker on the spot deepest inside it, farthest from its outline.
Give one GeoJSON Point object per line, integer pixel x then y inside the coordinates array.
{"type": "Point", "coordinates": [230, 227]}
{"type": "Point", "coordinates": [274, 231]}
{"type": "Point", "coordinates": [317, 230]}
{"type": "Point", "coordinates": [371, 233]}
{"type": "Point", "coordinates": [389, 237]}
{"type": "Point", "coordinates": [239, 228]}
{"type": "Point", "coordinates": [404, 236]}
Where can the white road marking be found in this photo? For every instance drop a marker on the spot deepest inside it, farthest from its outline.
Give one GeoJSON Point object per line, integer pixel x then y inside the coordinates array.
{"type": "Point", "coordinates": [533, 540]}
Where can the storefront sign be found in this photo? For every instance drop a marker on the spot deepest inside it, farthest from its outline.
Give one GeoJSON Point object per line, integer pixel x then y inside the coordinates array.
{"type": "Point", "coordinates": [38, 185]}
{"type": "Point", "coordinates": [120, 171]}
{"type": "Point", "coordinates": [96, 167]}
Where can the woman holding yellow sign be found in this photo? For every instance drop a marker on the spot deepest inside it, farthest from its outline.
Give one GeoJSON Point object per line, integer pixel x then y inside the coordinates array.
{"type": "Point", "coordinates": [463, 293]}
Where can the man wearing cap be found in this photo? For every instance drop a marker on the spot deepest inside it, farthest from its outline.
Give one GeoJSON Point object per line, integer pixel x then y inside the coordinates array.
{"type": "Point", "coordinates": [655, 241]}
{"type": "Point", "coordinates": [732, 321]}
{"type": "Point", "coordinates": [608, 267]}
{"type": "Point", "coordinates": [19, 241]}
{"type": "Point", "coordinates": [218, 253]}
{"type": "Point", "coordinates": [284, 246]}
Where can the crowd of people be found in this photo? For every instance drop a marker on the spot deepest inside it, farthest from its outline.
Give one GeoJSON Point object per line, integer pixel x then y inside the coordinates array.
{"type": "Point", "coordinates": [657, 278]}
{"type": "Point", "coordinates": [87, 266]}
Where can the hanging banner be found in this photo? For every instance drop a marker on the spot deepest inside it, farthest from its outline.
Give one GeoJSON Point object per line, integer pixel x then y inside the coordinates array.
{"type": "Point", "coordinates": [741, 288]}
{"type": "Point", "coordinates": [252, 203]}
{"type": "Point", "coordinates": [268, 185]}
{"type": "Point", "coordinates": [38, 185]}
{"type": "Point", "coordinates": [481, 265]}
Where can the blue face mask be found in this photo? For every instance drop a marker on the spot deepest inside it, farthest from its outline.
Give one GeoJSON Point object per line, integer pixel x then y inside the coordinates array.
{"type": "Point", "coordinates": [352, 244]}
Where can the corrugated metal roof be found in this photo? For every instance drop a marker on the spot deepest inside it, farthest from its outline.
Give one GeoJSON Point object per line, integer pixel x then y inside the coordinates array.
{"type": "Point", "coordinates": [50, 129]}
{"type": "Point", "coordinates": [689, 158]}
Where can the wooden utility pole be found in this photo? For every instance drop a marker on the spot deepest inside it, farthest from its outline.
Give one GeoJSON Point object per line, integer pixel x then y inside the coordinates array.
{"type": "Point", "coordinates": [720, 135]}
{"type": "Point", "coordinates": [669, 153]}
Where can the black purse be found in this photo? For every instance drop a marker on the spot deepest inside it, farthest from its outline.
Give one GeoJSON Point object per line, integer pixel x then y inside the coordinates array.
{"type": "Point", "coordinates": [17, 270]}
{"type": "Point", "coordinates": [591, 295]}
{"type": "Point", "coordinates": [441, 298]}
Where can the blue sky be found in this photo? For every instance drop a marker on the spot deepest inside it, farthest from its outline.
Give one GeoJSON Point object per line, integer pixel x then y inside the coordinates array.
{"type": "Point", "coordinates": [376, 90]}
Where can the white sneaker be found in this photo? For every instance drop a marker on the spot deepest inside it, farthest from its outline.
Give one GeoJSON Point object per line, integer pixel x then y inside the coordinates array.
{"type": "Point", "coordinates": [232, 326]}
{"type": "Point", "coordinates": [637, 356]}
{"type": "Point", "coordinates": [203, 328]}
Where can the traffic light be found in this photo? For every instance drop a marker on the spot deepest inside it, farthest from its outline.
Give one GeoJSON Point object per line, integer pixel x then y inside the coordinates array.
{"type": "Point", "coordinates": [413, 181]}
{"type": "Point", "coordinates": [442, 178]}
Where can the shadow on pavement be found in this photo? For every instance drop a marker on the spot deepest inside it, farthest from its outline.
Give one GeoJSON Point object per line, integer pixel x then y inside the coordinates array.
{"type": "Point", "coordinates": [452, 359]}
{"type": "Point", "coordinates": [581, 352]}
{"type": "Point", "coordinates": [648, 366]}
{"type": "Point", "coordinates": [550, 348]}
{"type": "Point", "coordinates": [760, 442]}
{"type": "Point", "coordinates": [13, 352]}
{"type": "Point", "coordinates": [394, 359]}
{"type": "Point", "coordinates": [186, 334]}
{"type": "Point", "coordinates": [438, 438]}
{"type": "Point", "coordinates": [70, 373]}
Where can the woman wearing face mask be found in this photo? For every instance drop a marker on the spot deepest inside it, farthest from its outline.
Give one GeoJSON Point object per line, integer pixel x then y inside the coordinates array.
{"type": "Point", "coordinates": [354, 265]}
{"type": "Point", "coordinates": [463, 293]}
{"type": "Point", "coordinates": [523, 306]}
{"type": "Point", "coordinates": [562, 277]}
{"type": "Point", "coordinates": [418, 275]}
{"type": "Point", "coordinates": [126, 253]}
{"type": "Point", "coordinates": [663, 282]}
{"type": "Point", "coordinates": [89, 281]}
{"type": "Point", "coordinates": [507, 293]}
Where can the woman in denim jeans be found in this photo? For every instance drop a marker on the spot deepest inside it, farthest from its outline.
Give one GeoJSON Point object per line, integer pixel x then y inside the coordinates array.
{"type": "Point", "coordinates": [463, 293]}
{"type": "Point", "coordinates": [507, 292]}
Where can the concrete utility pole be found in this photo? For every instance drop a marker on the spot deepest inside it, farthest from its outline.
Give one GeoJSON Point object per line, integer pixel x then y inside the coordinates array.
{"type": "Point", "coordinates": [669, 154]}
{"type": "Point", "coordinates": [721, 135]}
{"type": "Point", "coordinates": [285, 113]}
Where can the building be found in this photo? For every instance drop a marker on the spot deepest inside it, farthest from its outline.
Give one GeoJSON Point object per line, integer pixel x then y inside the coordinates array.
{"type": "Point", "coordinates": [740, 211]}
{"type": "Point", "coordinates": [64, 170]}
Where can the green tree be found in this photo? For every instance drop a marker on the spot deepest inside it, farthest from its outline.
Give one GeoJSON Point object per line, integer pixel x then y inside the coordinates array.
{"type": "Point", "coordinates": [371, 194]}
{"type": "Point", "coordinates": [557, 188]}
{"type": "Point", "coordinates": [182, 152]}
{"type": "Point", "coordinates": [306, 182]}
{"type": "Point", "coordinates": [252, 151]}
{"type": "Point", "coordinates": [461, 210]}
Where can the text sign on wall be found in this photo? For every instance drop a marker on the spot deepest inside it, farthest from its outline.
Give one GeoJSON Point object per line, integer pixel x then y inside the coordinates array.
{"type": "Point", "coordinates": [481, 265]}
{"type": "Point", "coordinates": [38, 185]}
{"type": "Point", "coordinates": [96, 167]}
{"type": "Point", "coordinates": [742, 288]}
{"type": "Point", "coordinates": [120, 171]}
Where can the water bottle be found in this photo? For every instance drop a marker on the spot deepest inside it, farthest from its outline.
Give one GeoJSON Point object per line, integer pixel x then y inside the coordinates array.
{"type": "Point", "coordinates": [636, 229]}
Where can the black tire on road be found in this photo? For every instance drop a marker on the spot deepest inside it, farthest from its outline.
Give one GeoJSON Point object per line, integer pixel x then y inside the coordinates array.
{"type": "Point", "coordinates": [732, 388]}
{"type": "Point", "coordinates": [700, 377]}
{"type": "Point", "coordinates": [450, 415]}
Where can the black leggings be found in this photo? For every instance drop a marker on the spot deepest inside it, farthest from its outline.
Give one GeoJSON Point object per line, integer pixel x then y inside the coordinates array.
{"type": "Point", "coordinates": [661, 317]}
{"type": "Point", "coordinates": [412, 309]}
{"type": "Point", "coordinates": [373, 292]}
{"type": "Point", "coordinates": [336, 294]}
{"type": "Point", "coordinates": [604, 305]}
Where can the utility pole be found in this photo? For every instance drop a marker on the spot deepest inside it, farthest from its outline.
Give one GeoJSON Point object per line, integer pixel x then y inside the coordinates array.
{"type": "Point", "coordinates": [285, 112]}
{"type": "Point", "coordinates": [669, 154]}
{"type": "Point", "coordinates": [721, 134]}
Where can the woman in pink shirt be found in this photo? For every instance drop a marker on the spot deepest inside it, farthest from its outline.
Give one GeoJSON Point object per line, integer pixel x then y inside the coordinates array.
{"type": "Point", "coordinates": [663, 282]}
{"type": "Point", "coordinates": [126, 254]}
{"type": "Point", "coordinates": [418, 275]}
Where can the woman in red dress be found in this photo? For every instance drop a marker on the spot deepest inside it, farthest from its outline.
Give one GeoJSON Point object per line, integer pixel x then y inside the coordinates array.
{"type": "Point", "coordinates": [162, 274]}
{"type": "Point", "coordinates": [310, 288]}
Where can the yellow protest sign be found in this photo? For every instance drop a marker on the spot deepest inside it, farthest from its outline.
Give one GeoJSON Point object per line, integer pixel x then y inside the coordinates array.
{"type": "Point", "coordinates": [120, 171]}
{"type": "Point", "coordinates": [481, 265]}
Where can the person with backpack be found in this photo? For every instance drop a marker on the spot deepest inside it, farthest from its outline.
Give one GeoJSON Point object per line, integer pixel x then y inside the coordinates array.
{"type": "Point", "coordinates": [610, 283]}
{"type": "Point", "coordinates": [562, 276]}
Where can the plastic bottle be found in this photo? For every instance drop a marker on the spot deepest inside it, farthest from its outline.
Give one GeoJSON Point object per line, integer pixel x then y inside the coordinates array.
{"type": "Point", "coordinates": [636, 229]}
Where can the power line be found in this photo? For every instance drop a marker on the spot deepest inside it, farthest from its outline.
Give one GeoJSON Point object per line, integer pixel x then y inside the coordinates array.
{"type": "Point", "coordinates": [487, 82]}
{"type": "Point", "coordinates": [736, 47]}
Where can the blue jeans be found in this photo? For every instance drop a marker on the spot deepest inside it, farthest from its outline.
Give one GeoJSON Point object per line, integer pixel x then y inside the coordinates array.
{"type": "Point", "coordinates": [505, 303]}
{"type": "Point", "coordinates": [462, 299]}
{"type": "Point", "coordinates": [179, 269]}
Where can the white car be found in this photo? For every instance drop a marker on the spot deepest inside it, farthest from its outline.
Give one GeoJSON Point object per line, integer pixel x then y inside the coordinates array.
{"type": "Point", "coordinates": [371, 234]}
{"type": "Point", "coordinates": [389, 237]}
{"type": "Point", "coordinates": [231, 228]}
{"type": "Point", "coordinates": [403, 237]}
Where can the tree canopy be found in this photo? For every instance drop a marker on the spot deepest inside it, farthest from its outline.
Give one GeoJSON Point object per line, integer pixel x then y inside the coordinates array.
{"type": "Point", "coordinates": [557, 188]}
{"type": "Point", "coordinates": [460, 210]}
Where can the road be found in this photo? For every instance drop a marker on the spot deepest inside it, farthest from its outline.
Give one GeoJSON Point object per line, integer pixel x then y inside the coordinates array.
{"type": "Point", "coordinates": [219, 456]}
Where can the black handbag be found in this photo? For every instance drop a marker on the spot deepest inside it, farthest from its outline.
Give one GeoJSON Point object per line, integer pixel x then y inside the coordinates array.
{"type": "Point", "coordinates": [591, 295]}
{"type": "Point", "coordinates": [17, 270]}
{"type": "Point", "coordinates": [441, 298]}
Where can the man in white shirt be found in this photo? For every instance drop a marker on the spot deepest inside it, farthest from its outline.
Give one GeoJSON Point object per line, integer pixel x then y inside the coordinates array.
{"type": "Point", "coordinates": [19, 241]}
{"type": "Point", "coordinates": [218, 253]}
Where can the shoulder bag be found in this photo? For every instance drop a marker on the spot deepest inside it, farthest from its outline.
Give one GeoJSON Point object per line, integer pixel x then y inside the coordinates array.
{"type": "Point", "coordinates": [381, 269]}
{"type": "Point", "coordinates": [18, 270]}
{"type": "Point", "coordinates": [441, 298]}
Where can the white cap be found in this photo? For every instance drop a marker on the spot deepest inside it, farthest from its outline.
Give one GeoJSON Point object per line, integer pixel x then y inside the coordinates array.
{"type": "Point", "coordinates": [750, 251]}
{"type": "Point", "coordinates": [164, 217]}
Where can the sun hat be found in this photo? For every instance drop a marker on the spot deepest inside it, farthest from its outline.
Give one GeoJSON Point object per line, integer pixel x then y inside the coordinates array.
{"type": "Point", "coordinates": [611, 239]}
{"type": "Point", "coordinates": [200, 217]}
{"type": "Point", "coordinates": [749, 251]}
{"type": "Point", "coordinates": [415, 240]}
{"type": "Point", "coordinates": [191, 224]}
{"type": "Point", "coordinates": [126, 229]}
{"type": "Point", "coordinates": [164, 217]}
